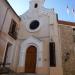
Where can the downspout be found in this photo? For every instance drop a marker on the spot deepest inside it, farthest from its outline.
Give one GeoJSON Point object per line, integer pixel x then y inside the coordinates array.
{"type": "Point", "coordinates": [4, 22]}
{"type": "Point", "coordinates": [4, 19]}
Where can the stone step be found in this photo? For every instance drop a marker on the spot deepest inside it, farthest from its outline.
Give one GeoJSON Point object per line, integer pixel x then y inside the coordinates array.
{"type": "Point", "coordinates": [25, 74]}
{"type": "Point", "coordinates": [31, 74]}
{"type": "Point", "coordinates": [5, 70]}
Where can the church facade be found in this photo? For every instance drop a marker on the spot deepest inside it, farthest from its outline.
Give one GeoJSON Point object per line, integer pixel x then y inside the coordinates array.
{"type": "Point", "coordinates": [37, 41]}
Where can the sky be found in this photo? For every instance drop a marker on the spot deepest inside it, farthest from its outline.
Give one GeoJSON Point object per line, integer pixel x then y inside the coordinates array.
{"type": "Point", "coordinates": [60, 7]}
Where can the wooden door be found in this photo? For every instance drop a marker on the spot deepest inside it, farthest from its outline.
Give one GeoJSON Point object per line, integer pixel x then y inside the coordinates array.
{"type": "Point", "coordinates": [30, 62]}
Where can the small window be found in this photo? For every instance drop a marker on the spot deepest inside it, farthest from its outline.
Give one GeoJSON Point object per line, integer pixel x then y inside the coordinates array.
{"type": "Point", "coordinates": [52, 54]}
{"type": "Point", "coordinates": [36, 5]}
{"type": "Point", "coordinates": [73, 29]}
{"type": "Point", "coordinates": [74, 34]}
{"type": "Point", "coordinates": [74, 38]}
{"type": "Point", "coordinates": [12, 31]}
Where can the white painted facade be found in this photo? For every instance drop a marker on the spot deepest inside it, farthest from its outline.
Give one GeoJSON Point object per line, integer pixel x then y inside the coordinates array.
{"type": "Point", "coordinates": [25, 44]}
{"type": "Point", "coordinates": [48, 29]}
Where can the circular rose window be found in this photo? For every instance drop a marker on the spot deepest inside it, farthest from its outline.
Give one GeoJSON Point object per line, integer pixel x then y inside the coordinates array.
{"type": "Point", "coordinates": [34, 25]}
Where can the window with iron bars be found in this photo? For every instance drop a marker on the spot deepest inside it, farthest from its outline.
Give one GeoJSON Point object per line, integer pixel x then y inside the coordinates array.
{"type": "Point", "coordinates": [13, 30]}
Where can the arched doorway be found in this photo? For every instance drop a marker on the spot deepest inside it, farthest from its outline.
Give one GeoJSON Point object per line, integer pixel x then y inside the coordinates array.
{"type": "Point", "coordinates": [30, 62]}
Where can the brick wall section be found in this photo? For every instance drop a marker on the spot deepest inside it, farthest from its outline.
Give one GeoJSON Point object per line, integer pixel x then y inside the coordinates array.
{"type": "Point", "coordinates": [67, 46]}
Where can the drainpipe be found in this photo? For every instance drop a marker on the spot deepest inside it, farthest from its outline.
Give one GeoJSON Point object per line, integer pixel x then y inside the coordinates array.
{"type": "Point", "coordinates": [4, 19]}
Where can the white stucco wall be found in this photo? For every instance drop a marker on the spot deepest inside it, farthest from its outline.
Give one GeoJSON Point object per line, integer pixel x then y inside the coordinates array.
{"type": "Point", "coordinates": [25, 44]}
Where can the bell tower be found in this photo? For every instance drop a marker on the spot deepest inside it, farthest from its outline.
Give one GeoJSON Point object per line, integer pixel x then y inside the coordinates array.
{"type": "Point", "coordinates": [36, 4]}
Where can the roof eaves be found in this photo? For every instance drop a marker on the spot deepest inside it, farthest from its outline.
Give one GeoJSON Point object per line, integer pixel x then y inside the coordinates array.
{"type": "Point", "coordinates": [12, 9]}
{"type": "Point", "coordinates": [66, 22]}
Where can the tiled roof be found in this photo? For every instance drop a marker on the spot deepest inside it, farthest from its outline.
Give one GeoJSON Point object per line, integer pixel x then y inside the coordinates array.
{"type": "Point", "coordinates": [66, 22]}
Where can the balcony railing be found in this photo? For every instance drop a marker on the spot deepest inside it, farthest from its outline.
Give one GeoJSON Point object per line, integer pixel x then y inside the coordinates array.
{"type": "Point", "coordinates": [13, 35]}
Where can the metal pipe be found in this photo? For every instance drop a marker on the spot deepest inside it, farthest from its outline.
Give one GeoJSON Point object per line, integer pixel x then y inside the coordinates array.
{"type": "Point", "coordinates": [4, 19]}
